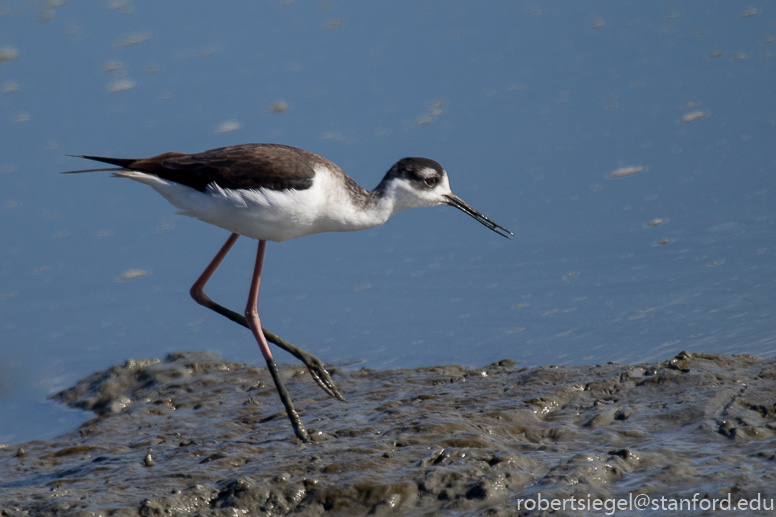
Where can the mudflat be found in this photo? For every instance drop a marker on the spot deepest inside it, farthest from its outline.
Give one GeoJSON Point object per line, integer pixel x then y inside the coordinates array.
{"type": "Point", "coordinates": [196, 435]}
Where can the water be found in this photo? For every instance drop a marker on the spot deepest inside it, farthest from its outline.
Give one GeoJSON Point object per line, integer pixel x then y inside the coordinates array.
{"type": "Point", "coordinates": [530, 108]}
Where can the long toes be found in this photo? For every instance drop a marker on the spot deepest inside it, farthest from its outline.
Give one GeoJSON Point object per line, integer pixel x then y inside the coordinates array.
{"type": "Point", "coordinates": [323, 385]}
{"type": "Point", "coordinates": [323, 379]}
{"type": "Point", "coordinates": [313, 364]}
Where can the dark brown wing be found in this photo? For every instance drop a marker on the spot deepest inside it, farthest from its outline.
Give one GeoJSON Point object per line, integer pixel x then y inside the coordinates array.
{"type": "Point", "coordinates": [246, 166]}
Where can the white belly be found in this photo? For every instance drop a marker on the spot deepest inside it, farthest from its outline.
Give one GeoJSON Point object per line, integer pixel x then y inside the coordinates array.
{"type": "Point", "coordinates": [269, 214]}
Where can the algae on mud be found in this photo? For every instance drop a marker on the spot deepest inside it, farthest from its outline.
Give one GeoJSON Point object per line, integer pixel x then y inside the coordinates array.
{"type": "Point", "coordinates": [196, 435]}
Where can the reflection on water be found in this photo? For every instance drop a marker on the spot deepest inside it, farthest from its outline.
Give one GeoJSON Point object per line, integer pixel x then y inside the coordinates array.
{"type": "Point", "coordinates": [530, 110]}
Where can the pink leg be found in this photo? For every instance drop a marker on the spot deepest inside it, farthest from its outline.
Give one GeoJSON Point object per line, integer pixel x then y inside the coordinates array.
{"type": "Point", "coordinates": [252, 317]}
{"type": "Point", "coordinates": [197, 290]}
{"type": "Point", "coordinates": [251, 320]}
{"type": "Point", "coordinates": [251, 313]}
{"type": "Point", "coordinates": [314, 365]}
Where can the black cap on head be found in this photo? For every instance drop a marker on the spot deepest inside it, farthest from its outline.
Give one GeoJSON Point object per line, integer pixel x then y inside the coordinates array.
{"type": "Point", "coordinates": [416, 169]}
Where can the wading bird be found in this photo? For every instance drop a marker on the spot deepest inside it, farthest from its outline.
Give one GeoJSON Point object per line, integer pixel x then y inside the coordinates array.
{"type": "Point", "coordinates": [272, 192]}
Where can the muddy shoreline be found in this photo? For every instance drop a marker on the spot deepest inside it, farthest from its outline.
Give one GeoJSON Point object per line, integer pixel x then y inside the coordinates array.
{"type": "Point", "coordinates": [196, 435]}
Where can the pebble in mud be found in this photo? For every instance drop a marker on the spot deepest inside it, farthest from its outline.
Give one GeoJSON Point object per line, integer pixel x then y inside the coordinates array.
{"type": "Point", "coordinates": [148, 461]}
{"type": "Point", "coordinates": [408, 441]}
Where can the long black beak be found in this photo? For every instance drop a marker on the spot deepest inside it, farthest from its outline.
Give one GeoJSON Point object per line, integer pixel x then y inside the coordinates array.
{"type": "Point", "coordinates": [463, 207]}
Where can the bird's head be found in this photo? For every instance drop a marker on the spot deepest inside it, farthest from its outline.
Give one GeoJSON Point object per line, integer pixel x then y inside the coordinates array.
{"type": "Point", "coordinates": [416, 182]}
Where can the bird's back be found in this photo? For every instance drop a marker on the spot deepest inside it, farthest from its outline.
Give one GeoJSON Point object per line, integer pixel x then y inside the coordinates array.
{"type": "Point", "coordinates": [246, 166]}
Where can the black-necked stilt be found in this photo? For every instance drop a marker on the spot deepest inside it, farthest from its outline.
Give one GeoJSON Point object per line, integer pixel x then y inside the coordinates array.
{"type": "Point", "coordinates": [275, 192]}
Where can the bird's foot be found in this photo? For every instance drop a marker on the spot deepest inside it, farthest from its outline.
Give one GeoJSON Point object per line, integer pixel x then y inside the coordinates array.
{"type": "Point", "coordinates": [314, 365]}
{"type": "Point", "coordinates": [321, 375]}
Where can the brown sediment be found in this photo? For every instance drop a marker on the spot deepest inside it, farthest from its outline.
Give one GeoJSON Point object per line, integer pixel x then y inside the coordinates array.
{"type": "Point", "coordinates": [196, 435]}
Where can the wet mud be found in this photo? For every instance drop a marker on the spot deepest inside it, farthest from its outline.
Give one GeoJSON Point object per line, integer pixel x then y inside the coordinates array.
{"type": "Point", "coordinates": [196, 435]}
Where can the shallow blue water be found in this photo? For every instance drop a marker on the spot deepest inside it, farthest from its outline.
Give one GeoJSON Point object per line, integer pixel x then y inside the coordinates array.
{"type": "Point", "coordinates": [529, 106]}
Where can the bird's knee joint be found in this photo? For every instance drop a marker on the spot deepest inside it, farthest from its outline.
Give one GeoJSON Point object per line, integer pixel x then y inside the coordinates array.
{"type": "Point", "coordinates": [199, 296]}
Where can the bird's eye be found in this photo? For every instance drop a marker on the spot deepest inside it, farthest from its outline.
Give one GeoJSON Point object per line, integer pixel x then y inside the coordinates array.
{"type": "Point", "coordinates": [431, 182]}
